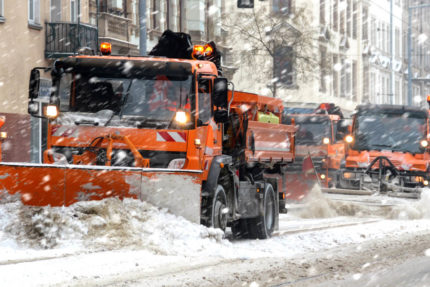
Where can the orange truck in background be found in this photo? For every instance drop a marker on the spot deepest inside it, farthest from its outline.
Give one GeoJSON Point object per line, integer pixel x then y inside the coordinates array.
{"type": "Point", "coordinates": [387, 151]}
{"type": "Point", "coordinates": [320, 148]}
{"type": "Point", "coordinates": [162, 129]}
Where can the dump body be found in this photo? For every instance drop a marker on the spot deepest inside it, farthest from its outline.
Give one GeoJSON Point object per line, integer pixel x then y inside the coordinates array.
{"type": "Point", "coordinates": [386, 152]}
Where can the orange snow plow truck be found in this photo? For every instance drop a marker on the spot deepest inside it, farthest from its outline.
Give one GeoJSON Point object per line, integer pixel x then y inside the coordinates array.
{"type": "Point", "coordinates": [319, 146]}
{"type": "Point", "coordinates": [164, 129]}
{"type": "Point", "coordinates": [388, 152]}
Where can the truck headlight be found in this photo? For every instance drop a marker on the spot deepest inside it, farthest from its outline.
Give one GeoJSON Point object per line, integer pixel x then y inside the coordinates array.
{"type": "Point", "coordinates": [51, 111]}
{"type": "Point", "coordinates": [181, 117]}
{"type": "Point", "coordinates": [349, 138]}
{"type": "Point", "coordinates": [424, 143]}
{"type": "Point", "coordinates": [326, 140]}
{"type": "Point", "coordinates": [349, 175]}
{"type": "Point", "coordinates": [177, 163]}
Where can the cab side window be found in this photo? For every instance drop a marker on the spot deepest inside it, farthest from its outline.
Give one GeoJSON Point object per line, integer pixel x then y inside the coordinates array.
{"type": "Point", "coordinates": [205, 105]}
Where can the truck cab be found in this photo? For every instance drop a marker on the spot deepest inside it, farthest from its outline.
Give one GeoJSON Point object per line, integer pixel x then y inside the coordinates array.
{"type": "Point", "coordinates": [387, 149]}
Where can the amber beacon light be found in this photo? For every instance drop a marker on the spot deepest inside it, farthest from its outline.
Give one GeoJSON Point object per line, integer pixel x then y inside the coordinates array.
{"type": "Point", "coordinates": [106, 48]}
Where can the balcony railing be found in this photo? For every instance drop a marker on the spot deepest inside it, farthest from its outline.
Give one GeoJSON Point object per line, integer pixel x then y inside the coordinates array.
{"type": "Point", "coordinates": [65, 39]}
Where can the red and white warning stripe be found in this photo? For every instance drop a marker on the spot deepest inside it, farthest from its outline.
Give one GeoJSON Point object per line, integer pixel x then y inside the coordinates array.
{"type": "Point", "coordinates": [179, 137]}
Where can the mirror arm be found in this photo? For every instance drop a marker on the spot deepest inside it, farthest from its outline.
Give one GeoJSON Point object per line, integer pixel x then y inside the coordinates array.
{"type": "Point", "coordinates": [232, 96]}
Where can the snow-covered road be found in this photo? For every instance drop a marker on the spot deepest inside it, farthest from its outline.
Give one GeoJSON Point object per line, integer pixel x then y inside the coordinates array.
{"type": "Point", "coordinates": [131, 243]}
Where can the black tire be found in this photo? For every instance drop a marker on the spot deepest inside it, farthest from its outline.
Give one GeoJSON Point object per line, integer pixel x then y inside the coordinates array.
{"type": "Point", "coordinates": [239, 228]}
{"type": "Point", "coordinates": [263, 226]}
{"type": "Point", "coordinates": [218, 211]}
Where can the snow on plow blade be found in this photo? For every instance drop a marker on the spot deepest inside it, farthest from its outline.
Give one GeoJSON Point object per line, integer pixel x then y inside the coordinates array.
{"type": "Point", "coordinates": [58, 185]}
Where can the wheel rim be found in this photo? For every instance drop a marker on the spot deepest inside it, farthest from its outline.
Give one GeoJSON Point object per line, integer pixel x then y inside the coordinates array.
{"type": "Point", "coordinates": [269, 212]}
{"type": "Point", "coordinates": [219, 217]}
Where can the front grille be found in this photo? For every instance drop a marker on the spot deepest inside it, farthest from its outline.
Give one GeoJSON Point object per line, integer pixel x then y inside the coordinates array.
{"type": "Point", "coordinates": [157, 159]}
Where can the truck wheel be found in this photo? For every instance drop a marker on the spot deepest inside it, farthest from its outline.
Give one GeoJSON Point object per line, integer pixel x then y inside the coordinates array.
{"type": "Point", "coordinates": [262, 226]}
{"type": "Point", "coordinates": [239, 228]}
{"type": "Point", "coordinates": [219, 212]}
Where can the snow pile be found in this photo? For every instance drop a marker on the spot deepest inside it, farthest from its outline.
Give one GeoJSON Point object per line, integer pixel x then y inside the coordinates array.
{"type": "Point", "coordinates": [414, 209]}
{"type": "Point", "coordinates": [317, 205]}
{"type": "Point", "coordinates": [107, 224]}
{"type": "Point", "coordinates": [322, 205]}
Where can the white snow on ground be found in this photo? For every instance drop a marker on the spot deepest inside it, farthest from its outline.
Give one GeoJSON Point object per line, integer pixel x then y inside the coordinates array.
{"type": "Point", "coordinates": [101, 238]}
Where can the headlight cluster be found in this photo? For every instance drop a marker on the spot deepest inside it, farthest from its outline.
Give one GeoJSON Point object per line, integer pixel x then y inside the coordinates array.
{"type": "Point", "coordinates": [350, 175]}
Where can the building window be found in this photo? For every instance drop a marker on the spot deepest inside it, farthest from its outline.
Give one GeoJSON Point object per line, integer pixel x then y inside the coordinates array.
{"type": "Point", "coordinates": [335, 16]}
{"type": "Point", "coordinates": [365, 24]}
{"type": "Point", "coordinates": [397, 42]}
{"type": "Point", "coordinates": [55, 10]}
{"type": "Point", "coordinates": [355, 20]}
{"type": "Point", "coordinates": [348, 18]}
{"type": "Point", "coordinates": [1, 10]}
{"type": "Point", "coordinates": [322, 12]}
{"type": "Point", "coordinates": [156, 15]}
{"type": "Point", "coordinates": [73, 11]}
{"type": "Point", "coordinates": [354, 81]}
{"type": "Point", "coordinates": [34, 12]}
{"type": "Point", "coordinates": [283, 66]}
{"type": "Point", "coordinates": [323, 69]}
{"type": "Point", "coordinates": [281, 6]}
{"type": "Point", "coordinates": [335, 77]}
{"type": "Point", "coordinates": [372, 87]}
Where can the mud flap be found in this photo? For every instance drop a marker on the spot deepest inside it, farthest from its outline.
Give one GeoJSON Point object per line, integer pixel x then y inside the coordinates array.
{"type": "Point", "coordinates": [58, 185]}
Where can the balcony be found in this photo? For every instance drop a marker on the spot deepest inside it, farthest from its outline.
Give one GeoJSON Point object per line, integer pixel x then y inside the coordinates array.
{"type": "Point", "coordinates": [117, 30]}
{"type": "Point", "coordinates": [64, 39]}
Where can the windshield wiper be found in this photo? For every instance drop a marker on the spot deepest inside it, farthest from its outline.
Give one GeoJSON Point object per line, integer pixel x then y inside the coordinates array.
{"type": "Point", "coordinates": [86, 122]}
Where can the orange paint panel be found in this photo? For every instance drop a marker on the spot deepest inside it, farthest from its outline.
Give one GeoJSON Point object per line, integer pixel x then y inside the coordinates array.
{"type": "Point", "coordinates": [96, 184]}
{"type": "Point", "coordinates": [142, 139]}
{"type": "Point", "coordinates": [37, 185]}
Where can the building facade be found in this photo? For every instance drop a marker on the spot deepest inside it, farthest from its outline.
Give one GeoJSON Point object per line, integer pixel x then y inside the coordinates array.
{"type": "Point", "coordinates": [419, 46]}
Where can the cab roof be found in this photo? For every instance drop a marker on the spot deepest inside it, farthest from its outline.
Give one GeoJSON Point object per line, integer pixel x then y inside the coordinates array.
{"type": "Point", "coordinates": [390, 109]}
{"type": "Point", "coordinates": [136, 64]}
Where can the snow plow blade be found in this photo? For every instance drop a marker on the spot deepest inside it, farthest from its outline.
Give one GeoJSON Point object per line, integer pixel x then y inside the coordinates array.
{"type": "Point", "coordinates": [347, 191]}
{"type": "Point", "coordinates": [62, 185]}
{"type": "Point", "coordinates": [413, 195]}
{"type": "Point", "coordinates": [299, 186]}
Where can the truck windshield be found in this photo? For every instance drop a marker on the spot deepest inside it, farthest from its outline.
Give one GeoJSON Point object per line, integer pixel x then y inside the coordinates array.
{"type": "Point", "coordinates": [312, 129]}
{"type": "Point", "coordinates": [152, 99]}
{"type": "Point", "coordinates": [389, 131]}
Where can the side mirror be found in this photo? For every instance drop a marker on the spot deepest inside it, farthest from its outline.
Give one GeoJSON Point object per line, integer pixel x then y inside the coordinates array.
{"type": "Point", "coordinates": [34, 84]}
{"type": "Point", "coordinates": [220, 93]}
{"type": "Point", "coordinates": [33, 108]}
